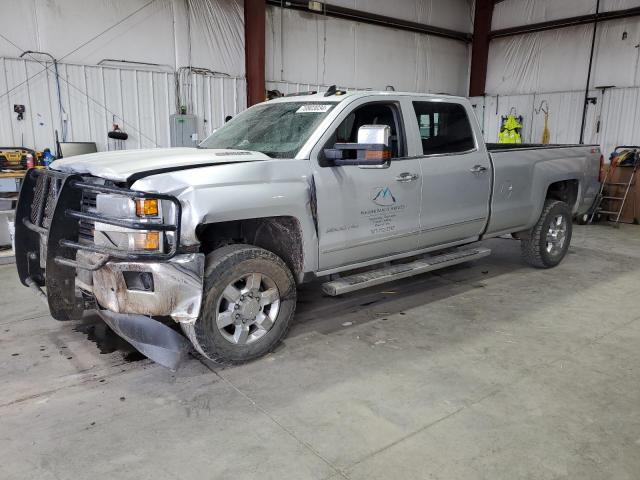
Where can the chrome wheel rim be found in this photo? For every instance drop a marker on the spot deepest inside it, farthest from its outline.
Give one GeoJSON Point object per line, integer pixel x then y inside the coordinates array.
{"type": "Point", "coordinates": [248, 308]}
{"type": "Point", "coordinates": [556, 235]}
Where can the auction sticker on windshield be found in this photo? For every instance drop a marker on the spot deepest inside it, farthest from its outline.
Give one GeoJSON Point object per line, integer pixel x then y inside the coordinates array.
{"type": "Point", "coordinates": [313, 108]}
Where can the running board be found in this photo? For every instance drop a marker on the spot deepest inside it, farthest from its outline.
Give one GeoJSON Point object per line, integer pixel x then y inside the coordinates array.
{"type": "Point", "coordinates": [396, 272]}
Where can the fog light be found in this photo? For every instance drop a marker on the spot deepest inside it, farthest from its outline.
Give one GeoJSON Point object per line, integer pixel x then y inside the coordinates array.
{"type": "Point", "coordinates": [146, 241]}
{"type": "Point", "coordinates": [146, 207]}
{"type": "Point", "coordinates": [140, 281]}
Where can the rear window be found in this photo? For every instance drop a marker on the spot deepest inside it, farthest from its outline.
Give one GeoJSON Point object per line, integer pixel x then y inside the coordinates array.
{"type": "Point", "coordinates": [444, 127]}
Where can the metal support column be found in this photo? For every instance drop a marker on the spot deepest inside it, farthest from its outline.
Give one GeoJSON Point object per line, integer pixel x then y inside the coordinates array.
{"type": "Point", "coordinates": [254, 49]}
{"type": "Point", "coordinates": [480, 47]}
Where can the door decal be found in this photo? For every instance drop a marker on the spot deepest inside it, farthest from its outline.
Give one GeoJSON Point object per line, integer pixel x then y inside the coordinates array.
{"type": "Point", "coordinates": [382, 196]}
{"type": "Point", "coordinates": [383, 218]}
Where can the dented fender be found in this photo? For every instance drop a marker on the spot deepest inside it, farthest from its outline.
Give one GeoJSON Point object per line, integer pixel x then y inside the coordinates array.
{"type": "Point", "coordinates": [240, 191]}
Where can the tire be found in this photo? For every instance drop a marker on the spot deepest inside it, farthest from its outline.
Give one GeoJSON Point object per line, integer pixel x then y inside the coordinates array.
{"type": "Point", "coordinates": [542, 249]}
{"type": "Point", "coordinates": [239, 280]}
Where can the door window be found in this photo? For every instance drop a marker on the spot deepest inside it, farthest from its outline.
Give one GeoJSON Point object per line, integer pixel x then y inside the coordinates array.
{"type": "Point", "coordinates": [444, 128]}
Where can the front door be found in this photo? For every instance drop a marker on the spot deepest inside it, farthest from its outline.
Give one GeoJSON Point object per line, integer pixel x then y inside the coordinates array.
{"type": "Point", "coordinates": [456, 171]}
{"type": "Point", "coordinates": [366, 213]}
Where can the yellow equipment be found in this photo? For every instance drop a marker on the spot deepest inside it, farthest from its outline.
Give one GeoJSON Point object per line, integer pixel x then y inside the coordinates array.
{"type": "Point", "coordinates": [15, 158]}
{"type": "Point", "coordinates": [510, 131]}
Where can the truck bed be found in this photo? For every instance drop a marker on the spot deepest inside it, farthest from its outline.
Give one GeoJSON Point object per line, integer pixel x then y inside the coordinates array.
{"type": "Point", "coordinates": [522, 173]}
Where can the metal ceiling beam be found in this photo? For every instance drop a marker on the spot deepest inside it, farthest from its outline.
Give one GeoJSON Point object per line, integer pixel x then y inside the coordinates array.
{"type": "Point", "coordinates": [566, 22]}
{"type": "Point", "coordinates": [370, 18]}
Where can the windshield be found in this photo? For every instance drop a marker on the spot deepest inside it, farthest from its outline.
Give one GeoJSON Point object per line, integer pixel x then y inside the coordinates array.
{"type": "Point", "coordinates": [278, 130]}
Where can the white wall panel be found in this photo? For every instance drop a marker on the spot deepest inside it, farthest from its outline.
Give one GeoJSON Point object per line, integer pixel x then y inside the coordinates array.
{"type": "Point", "coordinates": [558, 60]}
{"type": "Point", "coordinates": [616, 57]}
{"type": "Point", "coordinates": [512, 13]}
{"type": "Point", "coordinates": [309, 48]}
{"type": "Point", "coordinates": [620, 118]}
{"type": "Point", "coordinates": [554, 60]}
{"type": "Point", "coordinates": [452, 14]}
{"type": "Point", "coordinates": [80, 34]}
{"type": "Point", "coordinates": [203, 33]}
{"type": "Point", "coordinates": [608, 5]}
{"type": "Point", "coordinates": [385, 57]}
{"type": "Point", "coordinates": [139, 101]}
{"type": "Point", "coordinates": [217, 36]}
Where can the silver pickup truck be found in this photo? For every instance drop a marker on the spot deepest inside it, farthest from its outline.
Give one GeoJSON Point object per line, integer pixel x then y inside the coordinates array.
{"type": "Point", "coordinates": [358, 188]}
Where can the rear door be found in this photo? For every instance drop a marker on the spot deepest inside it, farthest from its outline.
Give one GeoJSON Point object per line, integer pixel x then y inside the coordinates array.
{"type": "Point", "coordinates": [456, 173]}
{"type": "Point", "coordinates": [366, 213]}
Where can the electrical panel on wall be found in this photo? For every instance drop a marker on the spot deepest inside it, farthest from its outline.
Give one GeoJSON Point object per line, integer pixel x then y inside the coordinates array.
{"type": "Point", "coordinates": [183, 130]}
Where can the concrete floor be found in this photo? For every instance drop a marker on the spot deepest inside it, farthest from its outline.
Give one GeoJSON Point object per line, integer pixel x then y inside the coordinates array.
{"type": "Point", "coordinates": [490, 370]}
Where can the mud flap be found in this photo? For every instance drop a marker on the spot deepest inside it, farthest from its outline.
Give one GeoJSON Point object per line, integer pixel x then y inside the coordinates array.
{"type": "Point", "coordinates": [150, 337]}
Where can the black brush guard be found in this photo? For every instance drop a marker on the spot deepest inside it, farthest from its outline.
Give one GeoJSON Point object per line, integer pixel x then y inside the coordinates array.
{"type": "Point", "coordinates": [49, 211]}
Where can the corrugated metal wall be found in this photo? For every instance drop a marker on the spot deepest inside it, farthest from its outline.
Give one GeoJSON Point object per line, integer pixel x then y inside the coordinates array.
{"type": "Point", "coordinates": [613, 120]}
{"type": "Point", "coordinates": [94, 97]}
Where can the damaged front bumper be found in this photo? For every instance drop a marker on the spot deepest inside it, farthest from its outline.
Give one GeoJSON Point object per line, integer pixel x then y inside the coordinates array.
{"type": "Point", "coordinates": [50, 251]}
{"type": "Point", "coordinates": [127, 288]}
{"type": "Point", "coordinates": [172, 288]}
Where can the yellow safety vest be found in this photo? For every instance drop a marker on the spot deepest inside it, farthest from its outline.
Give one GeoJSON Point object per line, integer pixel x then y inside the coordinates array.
{"type": "Point", "coordinates": [509, 132]}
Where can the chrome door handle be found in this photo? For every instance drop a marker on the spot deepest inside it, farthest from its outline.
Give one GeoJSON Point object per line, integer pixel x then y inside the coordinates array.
{"type": "Point", "coordinates": [406, 177]}
{"type": "Point", "coordinates": [478, 169]}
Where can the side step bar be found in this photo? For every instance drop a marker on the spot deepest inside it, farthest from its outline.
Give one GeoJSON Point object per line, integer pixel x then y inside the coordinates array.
{"type": "Point", "coordinates": [396, 272]}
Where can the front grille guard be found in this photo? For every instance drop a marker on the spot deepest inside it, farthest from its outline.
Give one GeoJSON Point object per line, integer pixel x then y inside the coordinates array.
{"type": "Point", "coordinates": [57, 228]}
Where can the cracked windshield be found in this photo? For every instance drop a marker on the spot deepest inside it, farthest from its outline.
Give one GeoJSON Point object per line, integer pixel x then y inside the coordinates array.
{"type": "Point", "coordinates": [278, 130]}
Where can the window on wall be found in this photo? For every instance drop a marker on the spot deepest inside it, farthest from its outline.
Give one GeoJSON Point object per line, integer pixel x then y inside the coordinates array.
{"type": "Point", "coordinates": [444, 127]}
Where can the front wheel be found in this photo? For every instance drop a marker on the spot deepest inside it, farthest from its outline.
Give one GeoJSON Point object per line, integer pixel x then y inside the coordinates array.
{"type": "Point", "coordinates": [549, 239]}
{"type": "Point", "coordinates": [248, 303]}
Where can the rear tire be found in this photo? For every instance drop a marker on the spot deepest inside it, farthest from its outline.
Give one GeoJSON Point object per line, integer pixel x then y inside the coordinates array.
{"type": "Point", "coordinates": [248, 302]}
{"type": "Point", "coordinates": [549, 239]}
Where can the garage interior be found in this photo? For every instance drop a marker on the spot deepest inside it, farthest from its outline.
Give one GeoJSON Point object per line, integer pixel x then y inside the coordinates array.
{"type": "Point", "coordinates": [488, 369]}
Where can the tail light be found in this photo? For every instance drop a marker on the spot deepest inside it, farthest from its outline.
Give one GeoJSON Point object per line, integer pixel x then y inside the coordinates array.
{"type": "Point", "coordinates": [601, 173]}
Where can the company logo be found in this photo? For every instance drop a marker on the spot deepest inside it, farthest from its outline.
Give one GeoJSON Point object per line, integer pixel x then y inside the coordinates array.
{"type": "Point", "coordinates": [382, 196]}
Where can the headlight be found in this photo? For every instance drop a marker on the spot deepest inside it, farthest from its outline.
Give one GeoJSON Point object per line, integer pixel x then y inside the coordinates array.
{"type": "Point", "coordinates": [146, 210]}
{"type": "Point", "coordinates": [147, 207]}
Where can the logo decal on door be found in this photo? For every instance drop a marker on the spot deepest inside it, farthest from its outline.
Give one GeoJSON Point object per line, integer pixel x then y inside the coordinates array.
{"type": "Point", "coordinates": [382, 196]}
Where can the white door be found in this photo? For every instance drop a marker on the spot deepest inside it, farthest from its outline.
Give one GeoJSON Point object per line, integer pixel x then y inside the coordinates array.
{"type": "Point", "coordinates": [366, 213]}
{"type": "Point", "coordinates": [456, 182]}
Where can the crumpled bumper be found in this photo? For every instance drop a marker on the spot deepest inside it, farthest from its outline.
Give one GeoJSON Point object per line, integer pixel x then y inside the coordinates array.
{"type": "Point", "coordinates": [177, 287]}
{"type": "Point", "coordinates": [152, 338]}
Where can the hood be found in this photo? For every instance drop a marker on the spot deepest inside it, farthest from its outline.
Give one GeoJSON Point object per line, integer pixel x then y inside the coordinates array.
{"type": "Point", "coordinates": [120, 165]}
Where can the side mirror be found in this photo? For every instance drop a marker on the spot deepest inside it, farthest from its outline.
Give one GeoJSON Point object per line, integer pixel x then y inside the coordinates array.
{"type": "Point", "coordinates": [372, 148]}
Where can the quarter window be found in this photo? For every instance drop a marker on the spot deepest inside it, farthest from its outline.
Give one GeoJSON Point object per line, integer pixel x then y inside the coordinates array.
{"type": "Point", "coordinates": [444, 127]}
